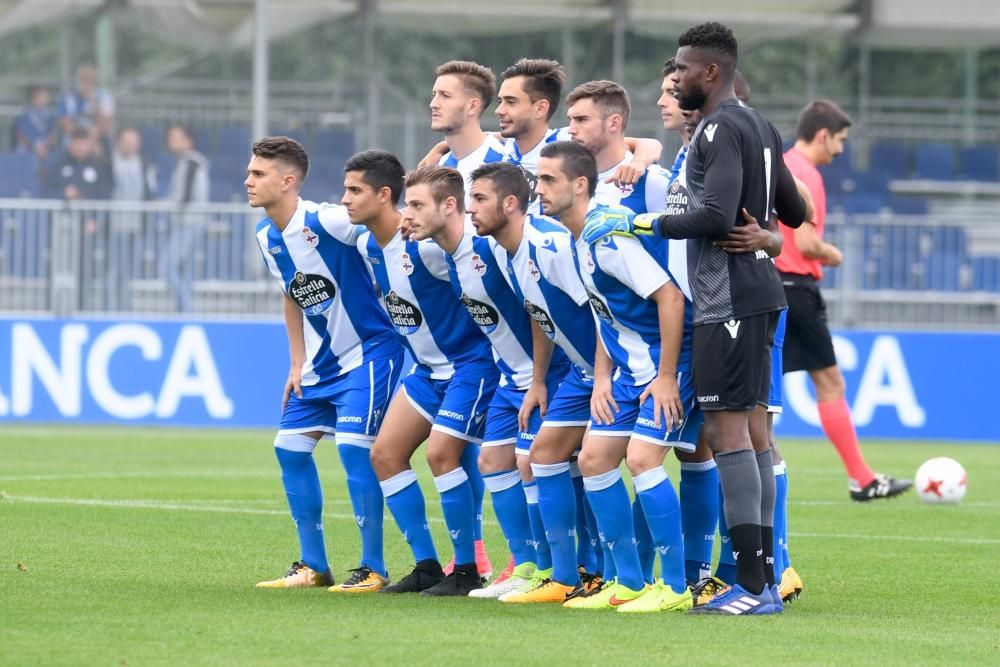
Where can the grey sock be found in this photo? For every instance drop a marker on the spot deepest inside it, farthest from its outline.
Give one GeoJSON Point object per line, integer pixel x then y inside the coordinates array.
{"type": "Point", "coordinates": [741, 488]}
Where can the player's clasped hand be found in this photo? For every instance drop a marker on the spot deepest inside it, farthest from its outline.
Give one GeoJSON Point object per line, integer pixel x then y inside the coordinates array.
{"type": "Point", "coordinates": [293, 383]}
{"type": "Point", "coordinates": [666, 401]}
{"type": "Point", "coordinates": [749, 237]}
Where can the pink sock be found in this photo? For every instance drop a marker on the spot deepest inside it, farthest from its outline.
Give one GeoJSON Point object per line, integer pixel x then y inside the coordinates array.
{"type": "Point", "coordinates": [835, 417]}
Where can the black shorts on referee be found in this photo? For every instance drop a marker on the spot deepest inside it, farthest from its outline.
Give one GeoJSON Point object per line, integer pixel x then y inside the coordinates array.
{"type": "Point", "coordinates": [731, 362]}
{"type": "Point", "coordinates": [808, 345]}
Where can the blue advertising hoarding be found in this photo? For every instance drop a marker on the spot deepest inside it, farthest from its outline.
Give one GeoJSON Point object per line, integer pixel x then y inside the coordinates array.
{"type": "Point", "coordinates": [912, 385]}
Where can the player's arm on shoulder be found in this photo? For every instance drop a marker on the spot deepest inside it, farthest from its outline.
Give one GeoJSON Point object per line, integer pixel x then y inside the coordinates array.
{"type": "Point", "coordinates": [434, 155]}
{"type": "Point", "coordinates": [337, 224]}
{"type": "Point", "coordinates": [722, 158]}
{"type": "Point", "coordinates": [645, 152]}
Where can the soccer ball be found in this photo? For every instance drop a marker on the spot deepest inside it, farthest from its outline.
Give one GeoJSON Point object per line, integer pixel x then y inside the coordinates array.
{"type": "Point", "coordinates": [941, 480]}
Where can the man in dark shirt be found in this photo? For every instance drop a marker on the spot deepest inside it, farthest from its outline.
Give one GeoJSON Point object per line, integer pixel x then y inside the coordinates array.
{"type": "Point", "coordinates": [78, 173]}
{"type": "Point", "coordinates": [734, 164]}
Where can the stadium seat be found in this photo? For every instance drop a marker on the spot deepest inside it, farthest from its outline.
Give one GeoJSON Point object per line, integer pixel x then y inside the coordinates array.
{"type": "Point", "coordinates": [864, 203]}
{"type": "Point", "coordinates": [891, 157]}
{"type": "Point", "coordinates": [233, 139]}
{"type": "Point", "coordinates": [153, 141]}
{"type": "Point", "coordinates": [21, 177]}
{"type": "Point", "coordinates": [936, 162]}
{"type": "Point", "coordinates": [335, 142]}
{"type": "Point", "coordinates": [908, 205]}
{"type": "Point", "coordinates": [986, 274]}
{"type": "Point", "coordinates": [980, 163]}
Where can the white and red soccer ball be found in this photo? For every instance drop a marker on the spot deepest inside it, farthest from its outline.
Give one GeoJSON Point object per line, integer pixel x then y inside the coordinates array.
{"type": "Point", "coordinates": [941, 480]}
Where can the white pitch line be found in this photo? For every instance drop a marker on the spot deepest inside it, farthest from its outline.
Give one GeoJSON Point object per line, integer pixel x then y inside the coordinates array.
{"type": "Point", "coordinates": [202, 474]}
{"type": "Point", "coordinates": [185, 507]}
{"type": "Point", "coordinates": [833, 503]}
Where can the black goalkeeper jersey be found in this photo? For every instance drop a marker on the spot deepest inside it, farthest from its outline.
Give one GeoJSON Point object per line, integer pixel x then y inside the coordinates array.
{"type": "Point", "coordinates": [734, 162]}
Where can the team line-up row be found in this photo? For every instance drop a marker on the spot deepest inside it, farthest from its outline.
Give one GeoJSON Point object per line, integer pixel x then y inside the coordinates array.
{"type": "Point", "coordinates": [569, 306]}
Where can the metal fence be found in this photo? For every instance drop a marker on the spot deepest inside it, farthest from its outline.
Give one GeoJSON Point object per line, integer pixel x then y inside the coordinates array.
{"type": "Point", "coordinates": [109, 258]}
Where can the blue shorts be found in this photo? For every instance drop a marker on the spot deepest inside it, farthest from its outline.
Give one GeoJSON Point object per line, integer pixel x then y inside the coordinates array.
{"type": "Point", "coordinates": [501, 421]}
{"type": "Point", "coordinates": [571, 404]}
{"type": "Point", "coordinates": [353, 403]}
{"type": "Point", "coordinates": [774, 402]}
{"type": "Point", "coordinates": [456, 406]}
{"type": "Point", "coordinates": [636, 421]}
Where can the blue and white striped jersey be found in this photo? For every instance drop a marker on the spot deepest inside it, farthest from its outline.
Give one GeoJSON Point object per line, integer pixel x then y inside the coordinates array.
{"type": "Point", "coordinates": [478, 279]}
{"type": "Point", "coordinates": [620, 272]}
{"type": "Point", "coordinates": [528, 161]}
{"type": "Point", "coordinates": [315, 259]}
{"type": "Point", "coordinates": [544, 273]}
{"type": "Point", "coordinates": [647, 195]}
{"type": "Point", "coordinates": [678, 201]}
{"type": "Point", "coordinates": [412, 278]}
{"type": "Point", "coordinates": [491, 150]}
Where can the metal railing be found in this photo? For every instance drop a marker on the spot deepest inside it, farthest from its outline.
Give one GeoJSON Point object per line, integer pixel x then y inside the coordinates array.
{"type": "Point", "coordinates": [123, 259]}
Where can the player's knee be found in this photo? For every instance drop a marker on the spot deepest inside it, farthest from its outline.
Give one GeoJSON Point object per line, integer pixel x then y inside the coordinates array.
{"type": "Point", "coordinates": [524, 466]}
{"type": "Point", "coordinates": [592, 463]}
{"type": "Point", "coordinates": [442, 459]}
{"type": "Point", "coordinates": [382, 462]}
{"type": "Point", "coordinates": [639, 460]}
{"type": "Point", "coordinates": [496, 459]}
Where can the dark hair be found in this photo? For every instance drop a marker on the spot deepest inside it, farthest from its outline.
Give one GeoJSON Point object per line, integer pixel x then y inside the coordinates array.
{"type": "Point", "coordinates": [380, 169]}
{"type": "Point", "coordinates": [821, 115]}
{"type": "Point", "coordinates": [716, 41]}
{"type": "Point", "coordinates": [577, 161]}
{"type": "Point", "coordinates": [188, 132]}
{"type": "Point", "coordinates": [283, 149]}
{"type": "Point", "coordinates": [543, 79]}
{"type": "Point", "coordinates": [443, 182]}
{"type": "Point", "coordinates": [669, 67]}
{"type": "Point", "coordinates": [741, 87]}
{"type": "Point", "coordinates": [80, 133]}
{"type": "Point", "coordinates": [34, 89]}
{"type": "Point", "coordinates": [608, 96]}
{"type": "Point", "coordinates": [508, 180]}
{"type": "Point", "coordinates": [480, 80]}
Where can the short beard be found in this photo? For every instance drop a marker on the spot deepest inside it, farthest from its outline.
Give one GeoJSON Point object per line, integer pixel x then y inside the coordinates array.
{"type": "Point", "coordinates": [694, 100]}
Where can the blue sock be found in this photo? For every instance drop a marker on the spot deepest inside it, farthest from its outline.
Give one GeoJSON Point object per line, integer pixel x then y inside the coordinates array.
{"type": "Point", "coordinates": [512, 513]}
{"type": "Point", "coordinates": [726, 569]}
{"type": "Point", "coordinates": [603, 562]}
{"type": "Point", "coordinates": [305, 499]}
{"type": "Point", "coordinates": [366, 498]}
{"type": "Point", "coordinates": [663, 515]}
{"type": "Point", "coordinates": [559, 514]}
{"type": "Point", "coordinates": [643, 541]}
{"type": "Point", "coordinates": [699, 516]}
{"type": "Point", "coordinates": [459, 515]}
{"type": "Point", "coordinates": [543, 556]}
{"type": "Point", "coordinates": [470, 464]}
{"type": "Point", "coordinates": [587, 545]}
{"type": "Point", "coordinates": [609, 498]}
{"type": "Point", "coordinates": [781, 562]}
{"type": "Point", "coordinates": [406, 502]}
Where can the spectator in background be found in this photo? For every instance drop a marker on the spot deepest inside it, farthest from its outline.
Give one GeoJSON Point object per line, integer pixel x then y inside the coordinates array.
{"type": "Point", "coordinates": [134, 179]}
{"type": "Point", "coordinates": [35, 127]}
{"type": "Point", "coordinates": [78, 172]}
{"type": "Point", "coordinates": [87, 107]}
{"type": "Point", "coordinates": [189, 184]}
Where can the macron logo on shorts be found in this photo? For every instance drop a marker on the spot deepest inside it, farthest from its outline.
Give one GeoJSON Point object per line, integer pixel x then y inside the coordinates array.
{"type": "Point", "coordinates": [733, 327]}
{"type": "Point", "coordinates": [451, 414]}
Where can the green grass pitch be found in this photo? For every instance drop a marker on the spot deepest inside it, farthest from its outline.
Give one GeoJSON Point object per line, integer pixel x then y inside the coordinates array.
{"type": "Point", "coordinates": [129, 547]}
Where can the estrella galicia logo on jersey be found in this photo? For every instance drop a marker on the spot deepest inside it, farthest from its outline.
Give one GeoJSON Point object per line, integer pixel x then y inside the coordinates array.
{"type": "Point", "coordinates": [484, 315]}
{"type": "Point", "coordinates": [599, 307]}
{"type": "Point", "coordinates": [312, 292]}
{"type": "Point", "coordinates": [405, 316]}
{"type": "Point", "coordinates": [310, 237]}
{"type": "Point", "coordinates": [533, 271]}
{"type": "Point", "coordinates": [405, 265]}
{"type": "Point", "coordinates": [677, 199]}
{"type": "Point", "coordinates": [478, 265]}
{"type": "Point", "coordinates": [542, 318]}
